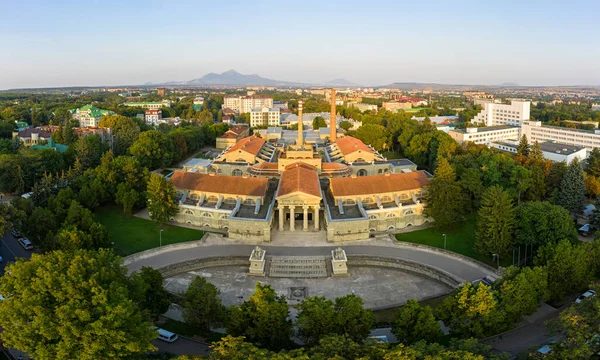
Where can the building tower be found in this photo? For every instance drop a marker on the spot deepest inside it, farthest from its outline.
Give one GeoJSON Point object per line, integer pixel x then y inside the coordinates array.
{"type": "Point", "coordinates": [333, 119]}
{"type": "Point", "coordinates": [300, 140]}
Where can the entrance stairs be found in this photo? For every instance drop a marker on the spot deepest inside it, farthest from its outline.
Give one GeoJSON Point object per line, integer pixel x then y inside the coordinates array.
{"type": "Point", "coordinates": [298, 267]}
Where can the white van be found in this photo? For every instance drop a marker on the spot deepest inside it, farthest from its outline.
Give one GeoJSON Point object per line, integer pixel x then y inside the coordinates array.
{"type": "Point", "coordinates": [167, 336]}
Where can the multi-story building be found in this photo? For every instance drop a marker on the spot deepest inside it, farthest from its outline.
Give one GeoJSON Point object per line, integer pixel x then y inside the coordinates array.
{"type": "Point", "coordinates": [153, 116]}
{"type": "Point", "coordinates": [152, 105]}
{"type": "Point", "coordinates": [595, 107]}
{"type": "Point", "coordinates": [394, 106]}
{"type": "Point", "coordinates": [503, 114]}
{"type": "Point", "coordinates": [89, 115]}
{"type": "Point", "coordinates": [363, 107]}
{"type": "Point", "coordinates": [264, 117]}
{"type": "Point", "coordinates": [550, 150]}
{"type": "Point", "coordinates": [232, 136]}
{"type": "Point", "coordinates": [244, 104]}
{"type": "Point", "coordinates": [33, 136]}
{"type": "Point", "coordinates": [485, 135]}
{"type": "Point", "coordinates": [535, 131]}
{"type": "Point", "coordinates": [161, 91]}
{"type": "Point", "coordinates": [280, 104]}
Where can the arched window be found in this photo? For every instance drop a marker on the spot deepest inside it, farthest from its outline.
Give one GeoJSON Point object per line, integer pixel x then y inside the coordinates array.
{"type": "Point", "coordinates": [366, 200]}
{"type": "Point", "coordinates": [249, 202]}
{"type": "Point", "coordinates": [240, 160]}
{"type": "Point", "coordinates": [206, 215]}
{"type": "Point", "coordinates": [189, 212]}
{"type": "Point", "coordinates": [361, 172]}
{"type": "Point", "coordinates": [408, 212]}
{"type": "Point", "coordinates": [230, 200]}
{"type": "Point", "coordinates": [236, 172]}
{"type": "Point", "coordinates": [390, 215]}
{"type": "Point", "coordinates": [380, 171]}
{"type": "Point", "coordinates": [360, 160]}
{"type": "Point", "coordinates": [391, 228]}
{"type": "Point", "coordinates": [212, 199]}
{"type": "Point", "coordinates": [348, 202]}
{"type": "Point", "coordinates": [386, 199]}
{"type": "Point", "coordinates": [194, 196]}
{"type": "Point", "coordinates": [373, 217]}
{"type": "Point", "coordinates": [403, 196]}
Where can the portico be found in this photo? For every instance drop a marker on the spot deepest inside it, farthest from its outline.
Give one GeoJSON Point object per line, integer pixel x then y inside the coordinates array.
{"type": "Point", "coordinates": [299, 197]}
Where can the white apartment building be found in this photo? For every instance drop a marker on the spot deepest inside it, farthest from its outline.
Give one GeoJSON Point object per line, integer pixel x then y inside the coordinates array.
{"type": "Point", "coordinates": [245, 104]}
{"type": "Point", "coordinates": [152, 116]}
{"type": "Point", "coordinates": [151, 105]}
{"type": "Point", "coordinates": [264, 117]}
{"type": "Point", "coordinates": [485, 135]}
{"type": "Point", "coordinates": [535, 131]}
{"type": "Point", "coordinates": [280, 104]}
{"type": "Point", "coordinates": [89, 115]}
{"type": "Point", "coordinates": [550, 150]}
{"type": "Point", "coordinates": [503, 114]}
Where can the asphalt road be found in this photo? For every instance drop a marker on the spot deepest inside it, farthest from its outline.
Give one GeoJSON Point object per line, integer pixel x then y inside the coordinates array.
{"type": "Point", "coordinates": [182, 346]}
{"type": "Point", "coordinates": [462, 269]}
{"type": "Point", "coordinates": [10, 250]}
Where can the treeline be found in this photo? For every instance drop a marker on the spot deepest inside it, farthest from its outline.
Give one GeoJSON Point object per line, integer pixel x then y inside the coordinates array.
{"type": "Point", "coordinates": [553, 114]}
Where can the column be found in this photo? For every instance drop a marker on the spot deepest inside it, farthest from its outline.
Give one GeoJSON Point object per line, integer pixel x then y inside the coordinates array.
{"type": "Point", "coordinates": [316, 218]}
{"type": "Point", "coordinates": [281, 217]}
{"type": "Point", "coordinates": [305, 218]}
{"type": "Point", "coordinates": [292, 220]}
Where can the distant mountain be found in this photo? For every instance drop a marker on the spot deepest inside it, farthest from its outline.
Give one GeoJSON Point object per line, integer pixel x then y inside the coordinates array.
{"type": "Point", "coordinates": [340, 82]}
{"type": "Point", "coordinates": [233, 77]}
{"type": "Point", "coordinates": [509, 84]}
{"type": "Point", "coordinates": [431, 86]}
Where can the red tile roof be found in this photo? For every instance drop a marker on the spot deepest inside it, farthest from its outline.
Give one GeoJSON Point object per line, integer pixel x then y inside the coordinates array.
{"type": "Point", "coordinates": [250, 144]}
{"type": "Point", "coordinates": [299, 177]}
{"type": "Point", "coordinates": [378, 184]}
{"type": "Point", "coordinates": [230, 185]}
{"type": "Point", "coordinates": [349, 144]}
{"type": "Point", "coordinates": [238, 129]}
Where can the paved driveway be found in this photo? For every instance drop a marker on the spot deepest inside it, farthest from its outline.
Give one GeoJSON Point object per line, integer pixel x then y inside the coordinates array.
{"type": "Point", "coordinates": [462, 269]}
{"type": "Point", "coordinates": [10, 249]}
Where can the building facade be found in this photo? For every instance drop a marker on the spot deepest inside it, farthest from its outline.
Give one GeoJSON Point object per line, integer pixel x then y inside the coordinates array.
{"type": "Point", "coordinates": [151, 105]}
{"type": "Point", "coordinates": [552, 151]}
{"type": "Point", "coordinates": [485, 135]}
{"type": "Point", "coordinates": [394, 106]}
{"type": "Point", "coordinates": [89, 115]}
{"type": "Point", "coordinates": [153, 116]}
{"type": "Point", "coordinates": [244, 104]}
{"type": "Point", "coordinates": [503, 114]}
{"type": "Point", "coordinates": [264, 117]}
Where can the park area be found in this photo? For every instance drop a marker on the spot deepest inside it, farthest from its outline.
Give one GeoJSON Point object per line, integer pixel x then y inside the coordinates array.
{"type": "Point", "coordinates": [460, 240]}
{"type": "Point", "coordinates": [131, 234]}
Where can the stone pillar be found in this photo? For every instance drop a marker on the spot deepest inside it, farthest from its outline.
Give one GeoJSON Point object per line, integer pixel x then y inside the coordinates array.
{"type": "Point", "coordinates": [292, 220]}
{"type": "Point", "coordinates": [338, 262]}
{"type": "Point", "coordinates": [281, 217]}
{"type": "Point", "coordinates": [257, 262]}
{"type": "Point", "coordinates": [305, 218]}
{"type": "Point", "coordinates": [316, 218]}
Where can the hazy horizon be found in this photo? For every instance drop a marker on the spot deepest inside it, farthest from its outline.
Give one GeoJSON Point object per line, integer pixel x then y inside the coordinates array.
{"type": "Point", "coordinates": [109, 43]}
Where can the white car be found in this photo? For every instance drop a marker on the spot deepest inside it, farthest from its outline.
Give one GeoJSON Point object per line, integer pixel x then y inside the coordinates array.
{"type": "Point", "coordinates": [26, 243]}
{"type": "Point", "coordinates": [585, 295]}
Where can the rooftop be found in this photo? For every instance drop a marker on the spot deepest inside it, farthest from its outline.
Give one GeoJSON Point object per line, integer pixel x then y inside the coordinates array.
{"type": "Point", "coordinates": [488, 128]}
{"type": "Point", "coordinates": [349, 144]}
{"type": "Point", "coordinates": [250, 144]}
{"type": "Point", "coordinates": [299, 177]}
{"type": "Point", "coordinates": [378, 184]}
{"type": "Point", "coordinates": [230, 185]}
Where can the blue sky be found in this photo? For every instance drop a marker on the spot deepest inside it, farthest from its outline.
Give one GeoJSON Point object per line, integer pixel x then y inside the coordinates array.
{"type": "Point", "coordinates": [109, 42]}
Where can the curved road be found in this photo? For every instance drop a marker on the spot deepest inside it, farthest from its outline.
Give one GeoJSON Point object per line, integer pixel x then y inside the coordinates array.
{"type": "Point", "coordinates": [462, 269]}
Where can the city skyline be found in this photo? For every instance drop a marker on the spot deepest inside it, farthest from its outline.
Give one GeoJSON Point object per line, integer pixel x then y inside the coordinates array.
{"type": "Point", "coordinates": [110, 44]}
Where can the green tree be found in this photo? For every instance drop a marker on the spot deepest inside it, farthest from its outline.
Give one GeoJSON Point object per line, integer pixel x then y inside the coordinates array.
{"type": "Point", "coordinates": [539, 223]}
{"type": "Point", "coordinates": [263, 319]}
{"type": "Point", "coordinates": [152, 149]}
{"type": "Point", "coordinates": [521, 176]}
{"type": "Point", "coordinates": [537, 190]}
{"type": "Point", "coordinates": [536, 153]}
{"type": "Point", "coordinates": [572, 191]}
{"type": "Point", "coordinates": [161, 199]}
{"type": "Point", "coordinates": [202, 305]}
{"type": "Point", "coordinates": [495, 222]}
{"type": "Point", "coordinates": [372, 134]}
{"type": "Point", "coordinates": [152, 295]}
{"type": "Point", "coordinates": [318, 122]}
{"type": "Point", "coordinates": [126, 196]}
{"type": "Point", "coordinates": [521, 292]}
{"type": "Point", "coordinates": [346, 125]}
{"type": "Point", "coordinates": [414, 323]}
{"type": "Point", "coordinates": [124, 130]}
{"type": "Point", "coordinates": [446, 202]}
{"type": "Point", "coordinates": [570, 267]}
{"type": "Point", "coordinates": [523, 147]}
{"type": "Point", "coordinates": [351, 318]}
{"type": "Point", "coordinates": [89, 150]}
{"type": "Point", "coordinates": [593, 163]}
{"type": "Point", "coordinates": [472, 311]}
{"type": "Point", "coordinates": [472, 184]}
{"type": "Point", "coordinates": [73, 305]}
{"type": "Point", "coordinates": [315, 319]}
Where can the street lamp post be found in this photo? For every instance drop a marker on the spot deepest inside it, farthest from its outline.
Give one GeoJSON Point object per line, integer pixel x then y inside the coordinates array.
{"type": "Point", "coordinates": [160, 244]}
{"type": "Point", "coordinates": [444, 235]}
{"type": "Point", "coordinates": [497, 259]}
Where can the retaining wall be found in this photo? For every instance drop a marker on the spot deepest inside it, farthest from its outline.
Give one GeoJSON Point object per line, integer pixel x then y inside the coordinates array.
{"type": "Point", "coordinates": [197, 264]}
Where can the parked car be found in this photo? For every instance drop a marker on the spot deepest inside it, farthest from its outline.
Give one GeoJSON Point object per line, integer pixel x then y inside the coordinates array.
{"type": "Point", "coordinates": [544, 350]}
{"type": "Point", "coordinates": [584, 296]}
{"type": "Point", "coordinates": [26, 243]}
{"type": "Point", "coordinates": [16, 233]}
{"type": "Point", "coordinates": [487, 280]}
{"type": "Point", "coordinates": [166, 335]}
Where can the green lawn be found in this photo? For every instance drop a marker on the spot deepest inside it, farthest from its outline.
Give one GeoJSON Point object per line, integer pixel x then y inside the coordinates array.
{"type": "Point", "coordinates": [460, 240]}
{"type": "Point", "coordinates": [131, 234]}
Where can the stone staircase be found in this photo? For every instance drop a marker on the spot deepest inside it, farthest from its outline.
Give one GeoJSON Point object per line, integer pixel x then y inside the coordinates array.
{"type": "Point", "coordinates": [298, 267]}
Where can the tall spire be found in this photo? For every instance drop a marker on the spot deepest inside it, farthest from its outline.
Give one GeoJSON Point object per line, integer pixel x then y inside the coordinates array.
{"type": "Point", "coordinates": [300, 140]}
{"type": "Point", "coordinates": [333, 119]}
